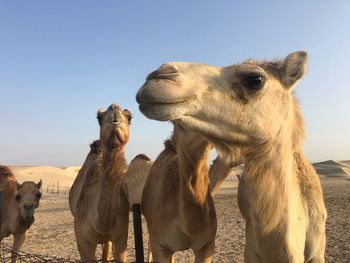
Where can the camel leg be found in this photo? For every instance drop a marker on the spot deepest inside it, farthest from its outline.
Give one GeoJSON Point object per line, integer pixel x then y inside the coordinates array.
{"type": "Point", "coordinates": [319, 257]}
{"type": "Point", "coordinates": [250, 256]}
{"type": "Point", "coordinates": [205, 254]}
{"type": "Point", "coordinates": [149, 255]}
{"type": "Point", "coordinates": [120, 251]}
{"type": "Point", "coordinates": [106, 248]}
{"type": "Point", "coordinates": [120, 248]}
{"type": "Point", "coordinates": [161, 254]}
{"type": "Point", "coordinates": [86, 249]}
{"type": "Point", "coordinates": [17, 244]}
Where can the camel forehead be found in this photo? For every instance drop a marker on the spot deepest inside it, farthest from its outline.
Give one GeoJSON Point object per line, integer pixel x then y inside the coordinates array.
{"type": "Point", "coordinates": [189, 67]}
{"type": "Point", "coordinates": [114, 111]}
{"type": "Point", "coordinates": [28, 187]}
{"type": "Point", "coordinates": [247, 65]}
{"type": "Point", "coordinates": [114, 107]}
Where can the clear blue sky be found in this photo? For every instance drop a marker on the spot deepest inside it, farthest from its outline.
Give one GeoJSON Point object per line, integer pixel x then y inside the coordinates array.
{"type": "Point", "coordinates": [62, 60]}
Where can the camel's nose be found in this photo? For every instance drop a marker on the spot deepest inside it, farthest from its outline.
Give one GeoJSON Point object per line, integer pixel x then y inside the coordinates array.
{"type": "Point", "coordinates": [165, 71]}
{"type": "Point", "coordinates": [28, 207]}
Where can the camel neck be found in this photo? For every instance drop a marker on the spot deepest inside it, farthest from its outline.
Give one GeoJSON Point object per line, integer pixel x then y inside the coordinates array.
{"type": "Point", "coordinates": [113, 164]}
{"type": "Point", "coordinates": [193, 170]}
{"type": "Point", "coordinates": [109, 187]}
{"type": "Point", "coordinates": [268, 179]}
{"type": "Point", "coordinates": [193, 197]}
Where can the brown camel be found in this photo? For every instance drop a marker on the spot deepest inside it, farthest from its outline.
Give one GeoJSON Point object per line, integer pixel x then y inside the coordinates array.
{"type": "Point", "coordinates": [97, 201]}
{"type": "Point", "coordinates": [251, 106]}
{"type": "Point", "coordinates": [17, 210]}
{"type": "Point", "coordinates": [176, 200]}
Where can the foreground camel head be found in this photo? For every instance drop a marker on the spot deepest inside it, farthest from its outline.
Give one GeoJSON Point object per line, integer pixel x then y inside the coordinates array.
{"type": "Point", "coordinates": [242, 104]}
{"type": "Point", "coordinates": [28, 195]}
{"type": "Point", "coordinates": [114, 126]}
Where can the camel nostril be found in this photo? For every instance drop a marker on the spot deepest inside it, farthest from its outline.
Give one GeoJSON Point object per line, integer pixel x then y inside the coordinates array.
{"type": "Point", "coordinates": [165, 71]}
{"type": "Point", "coordinates": [138, 99]}
{"type": "Point", "coordinates": [29, 207]}
{"type": "Point", "coordinates": [167, 68]}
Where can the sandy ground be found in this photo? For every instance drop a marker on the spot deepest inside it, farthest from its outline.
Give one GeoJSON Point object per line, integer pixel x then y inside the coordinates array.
{"type": "Point", "coordinates": [52, 232]}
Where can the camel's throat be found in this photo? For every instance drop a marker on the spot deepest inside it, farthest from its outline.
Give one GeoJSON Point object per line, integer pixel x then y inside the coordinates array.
{"type": "Point", "coordinates": [267, 180]}
{"type": "Point", "coordinates": [113, 165]}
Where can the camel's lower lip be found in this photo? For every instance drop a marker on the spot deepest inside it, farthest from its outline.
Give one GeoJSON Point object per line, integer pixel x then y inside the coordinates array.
{"type": "Point", "coordinates": [165, 103]}
{"type": "Point", "coordinates": [149, 105]}
{"type": "Point", "coordinates": [162, 101]}
{"type": "Point", "coordinates": [162, 111]}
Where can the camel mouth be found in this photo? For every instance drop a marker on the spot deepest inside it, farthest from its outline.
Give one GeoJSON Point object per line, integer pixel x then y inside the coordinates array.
{"type": "Point", "coordinates": [27, 218]}
{"type": "Point", "coordinates": [161, 102]}
{"type": "Point", "coordinates": [165, 111]}
{"type": "Point", "coordinates": [116, 123]}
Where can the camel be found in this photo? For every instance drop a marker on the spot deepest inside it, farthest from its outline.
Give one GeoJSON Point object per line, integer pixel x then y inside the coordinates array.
{"type": "Point", "coordinates": [19, 202]}
{"type": "Point", "coordinates": [251, 107]}
{"type": "Point", "coordinates": [135, 178]}
{"type": "Point", "coordinates": [219, 170]}
{"type": "Point", "coordinates": [138, 171]}
{"type": "Point", "coordinates": [176, 200]}
{"type": "Point", "coordinates": [97, 200]}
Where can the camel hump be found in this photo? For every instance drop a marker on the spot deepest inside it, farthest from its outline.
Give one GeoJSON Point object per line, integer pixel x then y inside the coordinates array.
{"type": "Point", "coordinates": [6, 172]}
{"type": "Point", "coordinates": [95, 146]}
{"type": "Point", "coordinates": [170, 145]}
{"type": "Point", "coordinates": [142, 156]}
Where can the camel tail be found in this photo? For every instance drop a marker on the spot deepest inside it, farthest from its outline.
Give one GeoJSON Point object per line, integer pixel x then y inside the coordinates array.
{"type": "Point", "coordinates": [106, 248]}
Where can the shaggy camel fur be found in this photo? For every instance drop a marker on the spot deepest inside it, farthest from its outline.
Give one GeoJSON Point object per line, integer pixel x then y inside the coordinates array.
{"type": "Point", "coordinates": [176, 200]}
{"type": "Point", "coordinates": [251, 106]}
{"type": "Point", "coordinates": [97, 201]}
{"type": "Point", "coordinates": [17, 210]}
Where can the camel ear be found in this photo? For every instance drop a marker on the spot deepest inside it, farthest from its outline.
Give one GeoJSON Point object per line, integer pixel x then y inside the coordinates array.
{"type": "Point", "coordinates": [293, 68]}
{"type": "Point", "coordinates": [39, 184]}
{"type": "Point", "coordinates": [100, 115]}
{"type": "Point", "coordinates": [128, 115]}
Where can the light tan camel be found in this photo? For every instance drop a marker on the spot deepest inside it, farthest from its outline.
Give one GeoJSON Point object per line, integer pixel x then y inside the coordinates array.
{"type": "Point", "coordinates": [219, 170]}
{"type": "Point", "coordinates": [17, 210]}
{"type": "Point", "coordinates": [97, 201]}
{"type": "Point", "coordinates": [135, 178]}
{"type": "Point", "coordinates": [176, 200]}
{"type": "Point", "coordinates": [251, 106]}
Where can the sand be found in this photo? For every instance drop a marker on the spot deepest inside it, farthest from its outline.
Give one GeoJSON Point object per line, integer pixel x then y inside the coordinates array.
{"type": "Point", "coordinates": [52, 232]}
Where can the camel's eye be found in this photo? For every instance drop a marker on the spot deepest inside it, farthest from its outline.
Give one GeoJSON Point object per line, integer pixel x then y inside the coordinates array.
{"type": "Point", "coordinates": [253, 81]}
{"type": "Point", "coordinates": [38, 195]}
{"type": "Point", "coordinates": [18, 197]}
